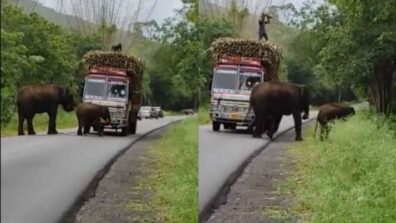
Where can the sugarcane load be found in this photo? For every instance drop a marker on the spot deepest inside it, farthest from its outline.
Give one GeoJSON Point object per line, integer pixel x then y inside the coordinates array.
{"type": "Point", "coordinates": [113, 80]}
{"type": "Point", "coordinates": [239, 65]}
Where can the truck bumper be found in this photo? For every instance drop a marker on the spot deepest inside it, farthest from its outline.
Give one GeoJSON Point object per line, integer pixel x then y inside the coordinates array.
{"type": "Point", "coordinates": [238, 119]}
{"type": "Point", "coordinates": [116, 124]}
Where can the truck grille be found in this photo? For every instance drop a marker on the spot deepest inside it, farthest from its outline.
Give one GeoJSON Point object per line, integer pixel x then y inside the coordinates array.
{"type": "Point", "coordinates": [117, 114]}
{"type": "Point", "coordinates": [234, 109]}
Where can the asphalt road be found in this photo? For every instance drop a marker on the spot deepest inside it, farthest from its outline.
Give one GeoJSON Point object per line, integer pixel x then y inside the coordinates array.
{"type": "Point", "coordinates": [42, 176]}
{"type": "Point", "coordinates": [222, 153]}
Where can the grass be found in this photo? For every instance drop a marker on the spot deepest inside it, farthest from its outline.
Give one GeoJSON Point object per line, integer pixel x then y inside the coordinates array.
{"type": "Point", "coordinates": [173, 175]}
{"type": "Point", "coordinates": [277, 213]}
{"type": "Point", "coordinates": [203, 115]}
{"type": "Point", "coordinates": [40, 123]}
{"type": "Point", "coordinates": [351, 177]}
{"type": "Point", "coordinates": [172, 113]}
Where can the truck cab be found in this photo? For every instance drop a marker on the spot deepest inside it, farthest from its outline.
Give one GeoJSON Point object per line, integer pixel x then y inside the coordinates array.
{"type": "Point", "coordinates": [233, 80]}
{"type": "Point", "coordinates": [109, 86]}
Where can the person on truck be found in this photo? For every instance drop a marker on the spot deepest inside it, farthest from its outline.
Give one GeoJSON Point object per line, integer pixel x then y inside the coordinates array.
{"type": "Point", "coordinates": [264, 19]}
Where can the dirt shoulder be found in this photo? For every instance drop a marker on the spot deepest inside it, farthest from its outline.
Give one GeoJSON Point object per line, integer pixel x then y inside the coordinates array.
{"type": "Point", "coordinates": [257, 195]}
{"type": "Point", "coordinates": [120, 186]}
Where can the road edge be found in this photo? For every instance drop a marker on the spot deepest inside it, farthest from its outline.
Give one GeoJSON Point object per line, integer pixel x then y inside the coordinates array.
{"type": "Point", "coordinates": [220, 198]}
{"type": "Point", "coordinates": [89, 191]}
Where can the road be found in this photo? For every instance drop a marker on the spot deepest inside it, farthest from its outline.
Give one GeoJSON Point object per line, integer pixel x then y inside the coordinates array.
{"type": "Point", "coordinates": [42, 176]}
{"type": "Point", "coordinates": [222, 153]}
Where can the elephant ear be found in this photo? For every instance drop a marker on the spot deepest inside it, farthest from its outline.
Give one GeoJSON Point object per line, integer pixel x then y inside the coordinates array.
{"type": "Point", "coordinates": [62, 93]}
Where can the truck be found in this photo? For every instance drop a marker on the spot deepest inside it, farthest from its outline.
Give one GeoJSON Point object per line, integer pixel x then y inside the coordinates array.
{"type": "Point", "coordinates": [108, 82]}
{"type": "Point", "coordinates": [235, 72]}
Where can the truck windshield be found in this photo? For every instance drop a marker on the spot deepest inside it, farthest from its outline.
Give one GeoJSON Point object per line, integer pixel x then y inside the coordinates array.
{"type": "Point", "coordinates": [94, 88]}
{"type": "Point", "coordinates": [247, 80]}
{"type": "Point", "coordinates": [225, 79]}
{"type": "Point", "coordinates": [117, 90]}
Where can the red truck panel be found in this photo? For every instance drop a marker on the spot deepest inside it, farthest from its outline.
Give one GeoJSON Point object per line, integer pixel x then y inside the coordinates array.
{"type": "Point", "coordinates": [248, 61]}
{"type": "Point", "coordinates": [107, 70]}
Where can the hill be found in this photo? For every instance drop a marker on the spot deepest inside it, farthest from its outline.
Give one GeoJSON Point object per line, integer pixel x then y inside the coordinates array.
{"type": "Point", "coordinates": [50, 14]}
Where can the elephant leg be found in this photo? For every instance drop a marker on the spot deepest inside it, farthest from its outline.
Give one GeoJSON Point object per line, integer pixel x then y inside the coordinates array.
{"type": "Point", "coordinates": [297, 125]}
{"type": "Point", "coordinates": [327, 128]}
{"type": "Point", "coordinates": [99, 128]}
{"type": "Point", "coordinates": [30, 125]}
{"type": "Point", "coordinates": [21, 119]}
{"type": "Point", "coordinates": [258, 130]}
{"type": "Point", "coordinates": [274, 125]}
{"type": "Point", "coordinates": [322, 131]}
{"type": "Point", "coordinates": [86, 129]}
{"type": "Point", "coordinates": [80, 126]}
{"type": "Point", "coordinates": [52, 121]}
{"type": "Point", "coordinates": [251, 126]}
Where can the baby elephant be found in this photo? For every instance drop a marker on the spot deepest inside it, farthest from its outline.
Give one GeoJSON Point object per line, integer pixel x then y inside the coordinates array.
{"type": "Point", "coordinates": [329, 112]}
{"type": "Point", "coordinates": [89, 114]}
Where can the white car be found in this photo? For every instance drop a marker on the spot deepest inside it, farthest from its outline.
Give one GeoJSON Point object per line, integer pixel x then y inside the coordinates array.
{"type": "Point", "coordinates": [144, 112]}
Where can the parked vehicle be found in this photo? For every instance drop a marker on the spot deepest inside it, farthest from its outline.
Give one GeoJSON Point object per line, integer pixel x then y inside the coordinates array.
{"type": "Point", "coordinates": [153, 113]}
{"type": "Point", "coordinates": [117, 88]}
{"type": "Point", "coordinates": [157, 112]}
{"type": "Point", "coordinates": [144, 112]}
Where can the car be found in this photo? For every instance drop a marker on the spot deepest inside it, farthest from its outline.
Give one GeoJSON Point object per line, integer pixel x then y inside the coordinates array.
{"type": "Point", "coordinates": [144, 112]}
{"type": "Point", "coordinates": [158, 112]}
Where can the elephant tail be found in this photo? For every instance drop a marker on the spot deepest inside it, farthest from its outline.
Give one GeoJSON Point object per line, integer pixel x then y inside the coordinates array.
{"type": "Point", "coordinates": [316, 126]}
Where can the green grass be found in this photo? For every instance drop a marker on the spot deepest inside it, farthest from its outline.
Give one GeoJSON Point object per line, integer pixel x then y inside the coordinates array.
{"type": "Point", "coordinates": [203, 115]}
{"type": "Point", "coordinates": [40, 123]}
{"type": "Point", "coordinates": [172, 113]}
{"type": "Point", "coordinates": [351, 177]}
{"type": "Point", "coordinates": [173, 176]}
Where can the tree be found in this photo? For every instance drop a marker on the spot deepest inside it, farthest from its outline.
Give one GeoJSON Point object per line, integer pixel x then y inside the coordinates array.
{"type": "Point", "coordinates": [36, 51]}
{"type": "Point", "coordinates": [358, 46]}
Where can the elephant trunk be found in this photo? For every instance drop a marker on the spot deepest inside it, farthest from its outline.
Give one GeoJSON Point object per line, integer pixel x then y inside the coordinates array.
{"type": "Point", "coordinates": [306, 111]}
{"type": "Point", "coordinates": [305, 102]}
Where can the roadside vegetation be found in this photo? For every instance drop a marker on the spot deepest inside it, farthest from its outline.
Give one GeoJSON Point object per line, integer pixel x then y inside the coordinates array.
{"type": "Point", "coordinates": [351, 177]}
{"type": "Point", "coordinates": [173, 176]}
{"type": "Point", "coordinates": [64, 120]}
{"type": "Point", "coordinates": [203, 115]}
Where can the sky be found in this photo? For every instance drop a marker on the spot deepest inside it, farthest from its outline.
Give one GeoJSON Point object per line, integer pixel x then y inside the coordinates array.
{"type": "Point", "coordinates": [162, 10]}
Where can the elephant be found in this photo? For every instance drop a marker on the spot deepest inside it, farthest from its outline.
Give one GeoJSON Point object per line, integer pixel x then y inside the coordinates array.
{"type": "Point", "coordinates": [89, 114]}
{"type": "Point", "coordinates": [329, 112]}
{"type": "Point", "coordinates": [32, 99]}
{"type": "Point", "coordinates": [271, 100]}
{"type": "Point", "coordinates": [187, 111]}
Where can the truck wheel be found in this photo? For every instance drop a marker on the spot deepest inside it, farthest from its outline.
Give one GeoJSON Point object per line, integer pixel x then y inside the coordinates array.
{"type": "Point", "coordinates": [124, 131]}
{"type": "Point", "coordinates": [216, 126]}
{"type": "Point", "coordinates": [226, 126]}
{"type": "Point", "coordinates": [232, 126]}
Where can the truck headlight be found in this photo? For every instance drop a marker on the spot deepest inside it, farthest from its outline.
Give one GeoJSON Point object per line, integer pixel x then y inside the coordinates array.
{"type": "Point", "coordinates": [215, 107]}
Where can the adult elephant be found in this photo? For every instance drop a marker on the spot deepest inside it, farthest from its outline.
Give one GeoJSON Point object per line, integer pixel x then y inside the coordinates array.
{"type": "Point", "coordinates": [329, 112]}
{"type": "Point", "coordinates": [271, 100]}
{"type": "Point", "coordinates": [32, 99]}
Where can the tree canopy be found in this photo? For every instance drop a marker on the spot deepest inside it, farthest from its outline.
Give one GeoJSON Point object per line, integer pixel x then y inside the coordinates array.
{"type": "Point", "coordinates": [36, 51]}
